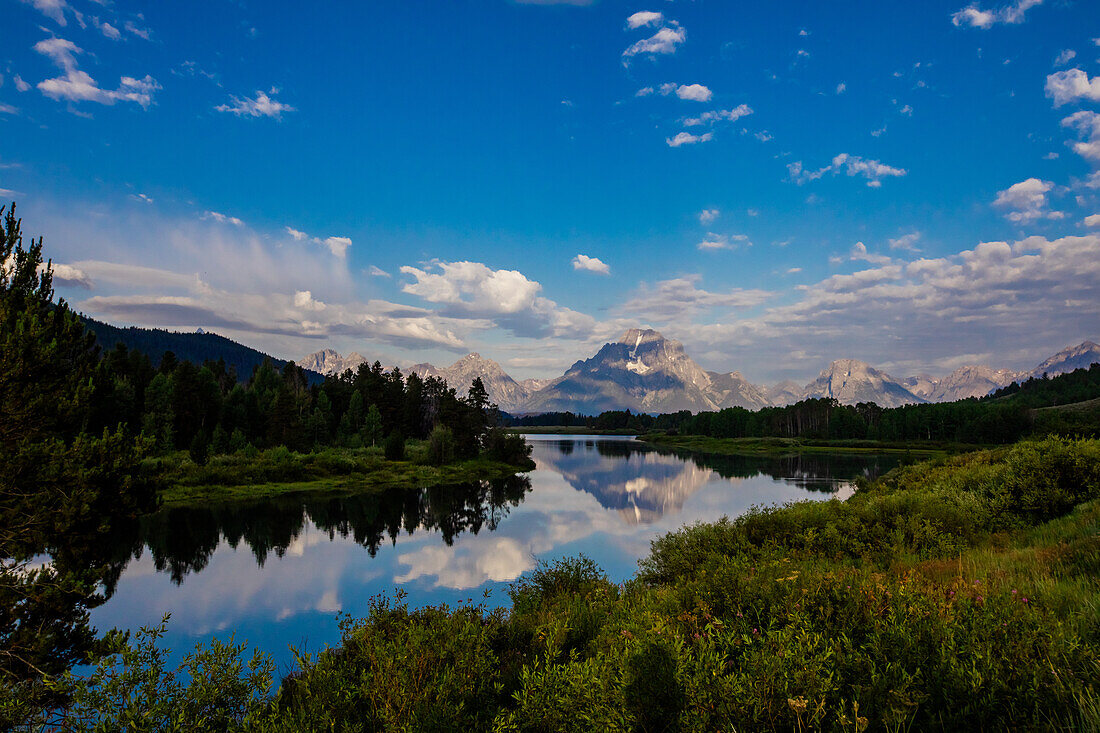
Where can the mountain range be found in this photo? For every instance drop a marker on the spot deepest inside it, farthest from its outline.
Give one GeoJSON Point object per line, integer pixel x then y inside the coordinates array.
{"type": "Point", "coordinates": [645, 372]}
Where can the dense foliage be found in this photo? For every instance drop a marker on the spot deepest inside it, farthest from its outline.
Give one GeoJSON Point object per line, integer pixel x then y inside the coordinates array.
{"type": "Point", "coordinates": [957, 594]}
{"type": "Point", "coordinates": [63, 483]}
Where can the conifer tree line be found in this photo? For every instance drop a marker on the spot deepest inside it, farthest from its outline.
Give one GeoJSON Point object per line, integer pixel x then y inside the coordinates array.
{"type": "Point", "coordinates": [208, 410]}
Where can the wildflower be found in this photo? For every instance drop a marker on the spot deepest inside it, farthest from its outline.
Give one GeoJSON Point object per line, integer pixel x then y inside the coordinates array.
{"type": "Point", "coordinates": [755, 631]}
{"type": "Point", "coordinates": [1025, 600]}
{"type": "Point", "coordinates": [1013, 591]}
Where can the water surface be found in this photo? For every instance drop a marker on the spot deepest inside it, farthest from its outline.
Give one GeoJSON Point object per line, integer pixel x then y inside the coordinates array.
{"type": "Point", "coordinates": [277, 572]}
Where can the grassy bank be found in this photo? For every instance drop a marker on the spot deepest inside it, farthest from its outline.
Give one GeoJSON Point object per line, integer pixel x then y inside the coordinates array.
{"type": "Point", "coordinates": [262, 474]}
{"type": "Point", "coordinates": [959, 593]}
{"type": "Point", "coordinates": [778, 446]}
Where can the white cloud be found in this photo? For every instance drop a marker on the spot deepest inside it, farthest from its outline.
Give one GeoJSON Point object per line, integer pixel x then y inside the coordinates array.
{"type": "Point", "coordinates": [706, 216]}
{"type": "Point", "coordinates": [644, 18]}
{"type": "Point", "coordinates": [694, 93]}
{"type": "Point", "coordinates": [107, 29]}
{"type": "Point", "coordinates": [53, 9]}
{"type": "Point", "coordinates": [222, 218]}
{"type": "Point", "coordinates": [664, 41]}
{"type": "Point", "coordinates": [337, 245]}
{"type": "Point", "coordinates": [141, 197]}
{"type": "Point", "coordinates": [138, 31]}
{"type": "Point", "coordinates": [906, 241]}
{"type": "Point", "coordinates": [376, 271]}
{"type": "Point", "coordinates": [873, 170]}
{"type": "Point", "coordinates": [644, 92]}
{"type": "Point", "coordinates": [680, 299]}
{"type": "Point", "coordinates": [506, 298]}
{"type": "Point", "coordinates": [67, 275]}
{"type": "Point", "coordinates": [686, 138]}
{"type": "Point", "coordinates": [298, 236]}
{"type": "Point", "coordinates": [1065, 57]}
{"type": "Point", "coordinates": [1070, 85]}
{"type": "Point", "coordinates": [303, 299]}
{"type": "Point", "coordinates": [717, 115]}
{"type": "Point", "coordinates": [722, 241]}
{"type": "Point", "coordinates": [841, 88]}
{"type": "Point", "coordinates": [1093, 220]}
{"type": "Point", "coordinates": [261, 105]}
{"type": "Point", "coordinates": [975, 17]}
{"type": "Point", "coordinates": [1087, 125]}
{"type": "Point", "coordinates": [1026, 201]}
{"type": "Point", "coordinates": [591, 264]}
{"type": "Point", "coordinates": [859, 253]}
{"type": "Point", "coordinates": [78, 86]}
{"type": "Point", "coordinates": [20, 84]}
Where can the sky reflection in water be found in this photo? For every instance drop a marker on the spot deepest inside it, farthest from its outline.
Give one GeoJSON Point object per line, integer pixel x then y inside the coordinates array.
{"type": "Point", "coordinates": [278, 572]}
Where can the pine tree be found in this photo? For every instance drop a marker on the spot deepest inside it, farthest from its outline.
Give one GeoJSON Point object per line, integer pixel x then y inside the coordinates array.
{"type": "Point", "coordinates": [59, 489]}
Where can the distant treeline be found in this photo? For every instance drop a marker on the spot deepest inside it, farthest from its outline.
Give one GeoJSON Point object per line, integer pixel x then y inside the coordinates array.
{"type": "Point", "coordinates": [1002, 417]}
{"type": "Point", "coordinates": [207, 409]}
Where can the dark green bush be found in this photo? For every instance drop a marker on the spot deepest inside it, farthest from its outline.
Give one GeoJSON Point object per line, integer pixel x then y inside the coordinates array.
{"type": "Point", "coordinates": [394, 450]}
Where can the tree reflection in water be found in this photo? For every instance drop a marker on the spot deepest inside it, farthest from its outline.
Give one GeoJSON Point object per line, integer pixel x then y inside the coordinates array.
{"type": "Point", "coordinates": [182, 540]}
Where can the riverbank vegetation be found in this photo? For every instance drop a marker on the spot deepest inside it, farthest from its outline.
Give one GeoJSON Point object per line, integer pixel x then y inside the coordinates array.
{"type": "Point", "coordinates": [255, 474]}
{"type": "Point", "coordinates": [781, 446]}
{"type": "Point", "coordinates": [958, 593]}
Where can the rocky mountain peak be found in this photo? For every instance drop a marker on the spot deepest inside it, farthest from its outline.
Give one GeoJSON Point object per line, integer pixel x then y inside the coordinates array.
{"type": "Point", "coordinates": [635, 337]}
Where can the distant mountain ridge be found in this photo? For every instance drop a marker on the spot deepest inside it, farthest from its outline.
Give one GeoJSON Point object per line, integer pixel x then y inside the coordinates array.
{"type": "Point", "coordinates": [643, 371]}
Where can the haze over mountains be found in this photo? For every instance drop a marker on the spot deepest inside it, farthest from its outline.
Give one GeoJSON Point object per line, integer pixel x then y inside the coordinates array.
{"type": "Point", "coordinates": [645, 372]}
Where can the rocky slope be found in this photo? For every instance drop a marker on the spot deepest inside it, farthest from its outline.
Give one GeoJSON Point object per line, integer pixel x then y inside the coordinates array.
{"type": "Point", "coordinates": [505, 392]}
{"type": "Point", "coordinates": [329, 363]}
{"type": "Point", "coordinates": [1081, 356]}
{"type": "Point", "coordinates": [851, 381]}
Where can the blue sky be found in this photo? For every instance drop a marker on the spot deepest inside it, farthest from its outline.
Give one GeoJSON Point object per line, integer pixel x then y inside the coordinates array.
{"type": "Point", "coordinates": [774, 184]}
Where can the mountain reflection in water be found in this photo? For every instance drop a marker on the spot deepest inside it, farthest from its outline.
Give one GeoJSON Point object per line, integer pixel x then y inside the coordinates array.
{"type": "Point", "coordinates": [276, 571]}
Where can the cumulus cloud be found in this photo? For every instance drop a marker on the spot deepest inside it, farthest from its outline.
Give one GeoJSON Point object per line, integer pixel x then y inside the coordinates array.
{"type": "Point", "coordinates": [1087, 124]}
{"type": "Point", "coordinates": [841, 88]}
{"type": "Point", "coordinates": [979, 300]}
{"type": "Point", "coordinates": [694, 92]}
{"type": "Point", "coordinates": [338, 246]}
{"type": "Point", "coordinates": [644, 19]}
{"type": "Point", "coordinates": [686, 138]}
{"type": "Point", "coordinates": [1093, 220]}
{"type": "Point", "coordinates": [669, 36]}
{"type": "Point", "coordinates": [78, 86]}
{"type": "Point", "coordinates": [974, 17]}
{"type": "Point", "coordinates": [20, 84]}
{"type": "Point", "coordinates": [591, 264]}
{"type": "Point", "coordinates": [680, 299]}
{"type": "Point", "coordinates": [859, 253]}
{"type": "Point", "coordinates": [262, 105]}
{"type": "Point", "coordinates": [718, 115]}
{"type": "Point", "coordinates": [506, 297]}
{"type": "Point", "coordinates": [1071, 85]}
{"type": "Point", "coordinates": [1026, 201]}
{"type": "Point", "coordinates": [853, 165]}
{"type": "Point", "coordinates": [706, 216]}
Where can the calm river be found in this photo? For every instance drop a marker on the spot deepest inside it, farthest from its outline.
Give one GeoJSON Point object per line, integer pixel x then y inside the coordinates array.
{"type": "Point", "coordinates": [277, 573]}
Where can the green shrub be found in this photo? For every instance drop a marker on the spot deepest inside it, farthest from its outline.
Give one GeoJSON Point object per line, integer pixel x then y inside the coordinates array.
{"type": "Point", "coordinates": [441, 446]}
{"type": "Point", "coordinates": [394, 449]}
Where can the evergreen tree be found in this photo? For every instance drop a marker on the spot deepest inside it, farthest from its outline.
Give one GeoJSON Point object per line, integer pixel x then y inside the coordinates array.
{"type": "Point", "coordinates": [59, 489]}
